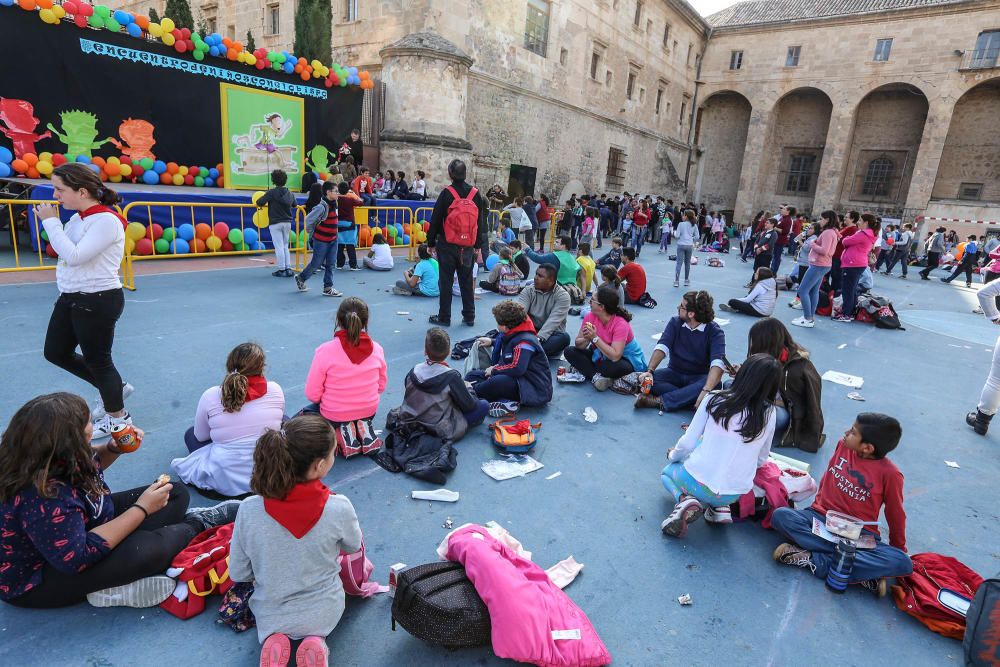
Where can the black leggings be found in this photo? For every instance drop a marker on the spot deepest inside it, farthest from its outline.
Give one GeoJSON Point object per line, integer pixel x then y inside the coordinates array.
{"type": "Point", "coordinates": [744, 307]}
{"type": "Point", "coordinates": [88, 320]}
{"type": "Point", "coordinates": [148, 551]}
{"type": "Point", "coordinates": [581, 360]}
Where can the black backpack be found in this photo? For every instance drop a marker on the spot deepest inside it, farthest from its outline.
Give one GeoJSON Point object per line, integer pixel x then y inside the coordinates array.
{"type": "Point", "coordinates": [436, 602]}
{"type": "Point", "coordinates": [982, 626]}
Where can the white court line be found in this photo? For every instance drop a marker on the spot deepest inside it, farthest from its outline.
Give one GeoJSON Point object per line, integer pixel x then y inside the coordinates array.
{"type": "Point", "coordinates": [786, 619]}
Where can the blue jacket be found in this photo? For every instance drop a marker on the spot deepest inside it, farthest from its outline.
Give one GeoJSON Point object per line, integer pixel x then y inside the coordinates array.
{"type": "Point", "coordinates": [519, 354]}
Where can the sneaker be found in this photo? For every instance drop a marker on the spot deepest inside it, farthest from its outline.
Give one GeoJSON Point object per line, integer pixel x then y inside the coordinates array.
{"type": "Point", "coordinates": [503, 408]}
{"type": "Point", "coordinates": [803, 322]}
{"type": "Point", "coordinates": [276, 651]}
{"type": "Point", "coordinates": [399, 291]}
{"type": "Point", "coordinates": [627, 384]}
{"type": "Point", "coordinates": [978, 310]}
{"type": "Point", "coordinates": [903, 276]}
{"type": "Point", "coordinates": [677, 283]}
{"type": "Point", "coordinates": [287, 273]}
{"type": "Point", "coordinates": [216, 515]}
{"type": "Point", "coordinates": [718, 514]}
{"type": "Point", "coordinates": [794, 555]}
{"type": "Point", "coordinates": [968, 285]}
{"type": "Point", "coordinates": [312, 652]}
{"type": "Point", "coordinates": [601, 383]}
{"type": "Point", "coordinates": [279, 273]}
{"type": "Point", "coordinates": [141, 593]}
{"type": "Point", "coordinates": [342, 268]}
{"type": "Point", "coordinates": [574, 311]}
{"type": "Point", "coordinates": [795, 303]}
{"type": "Point", "coordinates": [843, 318]}
{"type": "Point", "coordinates": [127, 390]}
{"type": "Point", "coordinates": [647, 401]}
{"type": "Point", "coordinates": [301, 284]}
{"type": "Point", "coordinates": [436, 319]}
{"type": "Point", "coordinates": [355, 268]}
{"type": "Point", "coordinates": [686, 511]}
{"type": "Point", "coordinates": [687, 283]}
{"type": "Point", "coordinates": [726, 307]}
{"type": "Point", "coordinates": [880, 587]}
{"type": "Point", "coordinates": [332, 291]}
{"type": "Point", "coordinates": [570, 376]}
{"type": "Point", "coordinates": [104, 425]}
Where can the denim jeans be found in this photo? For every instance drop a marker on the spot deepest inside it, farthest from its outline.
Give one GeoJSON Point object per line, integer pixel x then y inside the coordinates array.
{"type": "Point", "coordinates": [325, 255]}
{"type": "Point", "coordinates": [683, 259]}
{"type": "Point", "coordinates": [677, 390]}
{"type": "Point", "coordinates": [638, 238]}
{"type": "Point", "coordinates": [898, 256]}
{"type": "Point", "coordinates": [882, 561]}
{"type": "Point", "coordinates": [477, 415]}
{"type": "Point", "coordinates": [849, 288]}
{"type": "Point", "coordinates": [776, 258]}
{"type": "Point", "coordinates": [782, 420]}
{"type": "Point", "coordinates": [809, 290]}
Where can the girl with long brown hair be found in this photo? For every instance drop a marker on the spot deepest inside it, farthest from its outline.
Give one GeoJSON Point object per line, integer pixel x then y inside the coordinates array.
{"type": "Point", "coordinates": [229, 419]}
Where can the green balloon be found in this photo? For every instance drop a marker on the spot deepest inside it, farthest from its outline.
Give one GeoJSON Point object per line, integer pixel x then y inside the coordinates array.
{"type": "Point", "coordinates": [146, 163]}
{"type": "Point", "coordinates": [235, 236]}
{"type": "Point", "coordinates": [198, 55]}
{"type": "Point", "coordinates": [101, 10]}
{"type": "Point", "coordinates": [293, 242]}
{"type": "Point", "coordinates": [243, 247]}
{"type": "Point", "coordinates": [162, 246]}
{"type": "Point", "coordinates": [277, 66]}
{"type": "Point", "coordinates": [169, 234]}
{"type": "Point", "coordinates": [112, 25]}
{"type": "Point", "coordinates": [45, 235]}
{"type": "Point", "coordinates": [302, 237]}
{"type": "Point", "coordinates": [95, 20]}
{"type": "Point", "coordinates": [199, 181]}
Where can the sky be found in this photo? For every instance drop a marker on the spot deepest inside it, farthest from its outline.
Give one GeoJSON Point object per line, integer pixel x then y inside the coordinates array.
{"type": "Point", "coordinates": [707, 7]}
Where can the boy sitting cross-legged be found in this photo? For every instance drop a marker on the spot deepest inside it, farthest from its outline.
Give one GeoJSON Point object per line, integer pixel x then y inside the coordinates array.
{"type": "Point", "coordinates": [858, 481]}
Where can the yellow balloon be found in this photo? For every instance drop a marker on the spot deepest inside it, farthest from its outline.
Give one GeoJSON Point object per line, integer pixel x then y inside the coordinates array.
{"type": "Point", "coordinates": [44, 167]}
{"type": "Point", "coordinates": [126, 170]}
{"type": "Point", "coordinates": [135, 231]}
{"type": "Point", "coordinates": [47, 16]}
{"type": "Point", "coordinates": [261, 218]}
{"type": "Point", "coordinates": [183, 171]}
{"type": "Point", "coordinates": [115, 179]}
{"type": "Point", "coordinates": [110, 160]}
{"type": "Point", "coordinates": [45, 156]}
{"type": "Point", "coordinates": [129, 245]}
{"type": "Point", "coordinates": [167, 25]}
{"type": "Point", "coordinates": [213, 243]}
{"type": "Point", "coordinates": [251, 59]}
{"type": "Point", "coordinates": [178, 179]}
{"type": "Point", "coordinates": [59, 12]}
{"type": "Point", "coordinates": [257, 195]}
{"type": "Point", "coordinates": [168, 39]}
{"type": "Point", "coordinates": [156, 30]}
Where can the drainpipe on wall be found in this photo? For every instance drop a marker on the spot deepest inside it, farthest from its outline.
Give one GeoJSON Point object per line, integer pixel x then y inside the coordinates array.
{"type": "Point", "coordinates": [694, 109]}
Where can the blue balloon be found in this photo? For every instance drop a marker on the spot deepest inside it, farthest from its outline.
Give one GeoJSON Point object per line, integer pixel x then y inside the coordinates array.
{"type": "Point", "coordinates": [213, 173]}
{"type": "Point", "coordinates": [258, 246]}
{"type": "Point", "coordinates": [406, 239]}
{"type": "Point", "coordinates": [83, 158]}
{"type": "Point", "coordinates": [491, 262]}
{"type": "Point", "coordinates": [353, 71]}
{"type": "Point", "coordinates": [5, 155]}
{"type": "Point", "coordinates": [185, 232]}
{"type": "Point", "coordinates": [134, 30]}
{"type": "Point", "coordinates": [180, 247]}
{"type": "Point", "coordinates": [250, 236]}
{"type": "Point", "coordinates": [122, 17]}
{"type": "Point", "coordinates": [6, 3]}
{"type": "Point", "coordinates": [159, 167]}
{"type": "Point", "coordinates": [150, 177]}
{"type": "Point", "coordinates": [288, 67]}
{"type": "Point", "coordinates": [209, 182]}
{"type": "Point", "coordinates": [213, 50]}
{"type": "Point", "coordinates": [4, 170]}
{"type": "Point", "coordinates": [215, 37]}
{"type": "Point", "coordinates": [94, 168]}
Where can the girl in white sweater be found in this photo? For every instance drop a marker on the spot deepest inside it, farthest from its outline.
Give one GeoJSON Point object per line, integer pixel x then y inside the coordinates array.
{"type": "Point", "coordinates": [759, 302]}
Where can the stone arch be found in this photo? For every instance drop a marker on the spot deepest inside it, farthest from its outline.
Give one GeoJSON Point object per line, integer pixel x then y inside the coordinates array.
{"type": "Point", "coordinates": [971, 154]}
{"type": "Point", "coordinates": [793, 153]}
{"type": "Point", "coordinates": [720, 138]}
{"type": "Point", "coordinates": [878, 165]}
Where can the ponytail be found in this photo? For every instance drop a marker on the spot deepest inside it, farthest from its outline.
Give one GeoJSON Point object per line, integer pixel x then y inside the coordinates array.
{"type": "Point", "coordinates": [352, 317]}
{"type": "Point", "coordinates": [234, 391]}
{"type": "Point", "coordinates": [282, 458]}
{"type": "Point", "coordinates": [607, 296]}
{"type": "Point", "coordinates": [77, 176]}
{"type": "Point", "coordinates": [245, 359]}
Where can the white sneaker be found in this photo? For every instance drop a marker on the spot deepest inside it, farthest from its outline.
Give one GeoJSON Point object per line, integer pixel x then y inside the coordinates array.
{"type": "Point", "coordinates": [796, 304]}
{"type": "Point", "coordinates": [687, 283]}
{"type": "Point", "coordinates": [107, 423]}
{"type": "Point", "coordinates": [99, 410]}
{"type": "Point", "coordinates": [718, 515]}
{"type": "Point", "coordinates": [142, 593]}
{"type": "Point", "coordinates": [677, 283]}
{"type": "Point", "coordinates": [571, 376]}
{"type": "Point", "coordinates": [803, 322]}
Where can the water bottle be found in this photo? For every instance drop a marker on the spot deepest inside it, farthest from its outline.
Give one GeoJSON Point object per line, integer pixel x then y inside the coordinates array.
{"type": "Point", "coordinates": [843, 563]}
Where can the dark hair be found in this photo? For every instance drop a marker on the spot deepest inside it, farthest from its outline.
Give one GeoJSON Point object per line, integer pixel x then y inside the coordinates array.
{"type": "Point", "coordinates": [610, 275]}
{"type": "Point", "coordinates": [832, 219]}
{"type": "Point", "coordinates": [343, 187]}
{"type": "Point", "coordinates": [352, 317]}
{"type": "Point", "coordinates": [329, 186]}
{"type": "Point", "coordinates": [423, 251]}
{"type": "Point", "coordinates": [437, 344]}
{"type": "Point", "coordinates": [770, 336]}
{"type": "Point", "coordinates": [456, 170]}
{"type": "Point", "coordinates": [362, 169]}
{"type": "Point", "coordinates": [378, 239]}
{"type": "Point", "coordinates": [749, 396]}
{"type": "Point", "coordinates": [762, 274]}
{"type": "Point", "coordinates": [509, 313]}
{"type": "Point", "coordinates": [505, 252]}
{"type": "Point", "coordinates": [618, 240]}
{"type": "Point", "coordinates": [283, 458]}
{"type": "Point", "coordinates": [854, 216]}
{"type": "Point", "coordinates": [873, 223]}
{"type": "Point", "coordinates": [244, 360]}
{"type": "Point", "coordinates": [279, 177]}
{"type": "Point", "coordinates": [356, 131]}
{"type": "Point", "coordinates": [791, 210]}
{"type": "Point", "coordinates": [420, 174]}
{"type": "Point", "coordinates": [516, 243]}
{"type": "Point", "coordinates": [78, 176]}
{"type": "Point", "coordinates": [549, 269]}
{"type": "Point", "coordinates": [630, 253]}
{"type": "Point", "coordinates": [401, 175]}
{"type": "Point", "coordinates": [389, 173]}
{"type": "Point", "coordinates": [880, 431]}
{"type": "Point", "coordinates": [46, 441]}
{"type": "Point", "coordinates": [316, 191]}
{"type": "Point", "coordinates": [566, 241]}
{"type": "Point", "coordinates": [701, 304]}
{"type": "Point", "coordinates": [607, 296]}
{"type": "Point", "coordinates": [584, 248]}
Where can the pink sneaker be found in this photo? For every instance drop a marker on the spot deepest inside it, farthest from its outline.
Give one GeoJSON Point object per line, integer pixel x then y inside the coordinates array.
{"type": "Point", "coordinates": [312, 652]}
{"type": "Point", "coordinates": [276, 651]}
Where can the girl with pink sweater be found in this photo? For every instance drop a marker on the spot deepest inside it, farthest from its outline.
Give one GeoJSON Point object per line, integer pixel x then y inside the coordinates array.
{"type": "Point", "coordinates": [853, 263]}
{"type": "Point", "coordinates": [820, 261]}
{"type": "Point", "coordinates": [346, 378]}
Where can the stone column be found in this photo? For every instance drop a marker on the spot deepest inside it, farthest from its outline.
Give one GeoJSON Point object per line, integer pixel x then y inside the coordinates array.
{"type": "Point", "coordinates": [753, 159]}
{"type": "Point", "coordinates": [928, 159]}
{"type": "Point", "coordinates": [836, 158]}
{"type": "Point", "coordinates": [426, 79]}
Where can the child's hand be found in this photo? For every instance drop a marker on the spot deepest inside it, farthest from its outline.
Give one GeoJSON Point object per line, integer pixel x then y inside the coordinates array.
{"type": "Point", "coordinates": [488, 372]}
{"type": "Point", "coordinates": [154, 498]}
{"type": "Point", "coordinates": [485, 342]}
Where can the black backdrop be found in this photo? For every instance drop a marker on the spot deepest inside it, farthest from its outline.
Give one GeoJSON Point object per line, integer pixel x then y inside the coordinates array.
{"type": "Point", "coordinates": [45, 65]}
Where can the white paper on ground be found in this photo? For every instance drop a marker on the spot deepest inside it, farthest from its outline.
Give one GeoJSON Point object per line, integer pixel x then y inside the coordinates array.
{"type": "Point", "coordinates": [952, 464]}
{"type": "Point", "coordinates": [514, 465]}
{"type": "Point", "coordinates": [554, 475]}
{"type": "Point", "coordinates": [443, 495]}
{"type": "Point", "coordinates": [590, 414]}
{"type": "Point", "coordinates": [852, 381]}
{"type": "Point", "coordinates": [721, 321]}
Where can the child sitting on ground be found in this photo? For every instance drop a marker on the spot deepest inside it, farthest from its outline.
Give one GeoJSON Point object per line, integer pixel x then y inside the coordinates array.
{"type": "Point", "coordinates": [422, 279]}
{"type": "Point", "coordinates": [715, 461]}
{"type": "Point", "coordinates": [346, 378]}
{"type": "Point", "coordinates": [858, 481]}
{"type": "Point", "coordinates": [287, 541]}
{"type": "Point", "coordinates": [505, 278]}
{"type": "Point", "coordinates": [229, 419]}
{"type": "Point", "coordinates": [759, 302]}
{"type": "Point", "coordinates": [588, 265]}
{"type": "Point", "coordinates": [614, 256]}
{"type": "Point", "coordinates": [519, 374]}
{"type": "Point", "coordinates": [380, 256]}
{"type": "Point", "coordinates": [519, 258]}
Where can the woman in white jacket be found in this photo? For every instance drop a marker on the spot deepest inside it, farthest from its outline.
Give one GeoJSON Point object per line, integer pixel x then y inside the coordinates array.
{"type": "Point", "coordinates": [761, 299]}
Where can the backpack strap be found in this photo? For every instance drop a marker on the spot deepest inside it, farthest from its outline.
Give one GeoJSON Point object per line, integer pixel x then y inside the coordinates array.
{"type": "Point", "coordinates": [472, 193]}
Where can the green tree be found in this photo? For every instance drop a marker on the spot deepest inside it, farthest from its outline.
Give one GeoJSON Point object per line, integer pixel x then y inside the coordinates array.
{"type": "Point", "coordinates": [153, 15]}
{"type": "Point", "coordinates": [313, 31]}
{"type": "Point", "coordinates": [250, 46]}
{"type": "Point", "coordinates": [180, 12]}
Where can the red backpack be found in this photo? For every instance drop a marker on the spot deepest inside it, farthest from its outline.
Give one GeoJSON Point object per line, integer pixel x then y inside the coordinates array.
{"type": "Point", "coordinates": [931, 594]}
{"type": "Point", "coordinates": [461, 225]}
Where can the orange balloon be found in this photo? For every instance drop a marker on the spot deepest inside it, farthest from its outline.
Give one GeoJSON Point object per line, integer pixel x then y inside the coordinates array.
{"type": "Point", "coordinates": [202, 231]}
{"type": "Point", "coordinates": [112, 169]}
{"type": "Point", "coordinates": [44, 4]}
{"type": "Point", "coordinates": [226, 42]}
{"type": "Point", "coordinates": [198, 245]}
{"type": "Point", "coordinates": [30, 159]}
{"type": "Point", "coordinates": [232, 53]}
{"type": "Point", "coordinates": [20, 166]}
{"type": "Point", "coordinates": [33, 173]}
{"type": "Point", "coordinates": [172, 168]}
{"type": "Point", "coordinates": [26, 5]}
{"type": "Point", "coordinates": [99, 161]}
{"type": "Point", "coordinates": [142, 21]}
{"type": "Point", "coordinates": [238, 46]}
{"type": "Point", "coordinates": [304, 75]}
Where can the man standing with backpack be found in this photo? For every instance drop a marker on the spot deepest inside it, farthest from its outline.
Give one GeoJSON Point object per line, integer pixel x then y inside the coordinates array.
{"type": "Point", "coordinates": [457, 230]}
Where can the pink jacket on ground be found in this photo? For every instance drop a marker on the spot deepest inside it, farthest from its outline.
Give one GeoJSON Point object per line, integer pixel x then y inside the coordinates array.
{"type": "Point", "coordinates": [345, 391]}
{"type": "Point", "coordinates": [533, 621]}
{"type": "Point", "coordinates": [856, 249]}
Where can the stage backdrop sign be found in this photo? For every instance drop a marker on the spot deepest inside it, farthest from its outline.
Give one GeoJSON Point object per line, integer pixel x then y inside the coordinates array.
{"type": "Point", "coordinates": [261, 131]}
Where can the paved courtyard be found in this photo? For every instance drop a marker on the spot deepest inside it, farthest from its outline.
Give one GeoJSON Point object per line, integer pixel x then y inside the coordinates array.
{"type": "Point", "coordinates": [604, 509]}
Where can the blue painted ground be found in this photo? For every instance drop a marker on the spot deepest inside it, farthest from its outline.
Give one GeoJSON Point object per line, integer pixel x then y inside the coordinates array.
{"type": "Point", "coordinates": [605, 508]}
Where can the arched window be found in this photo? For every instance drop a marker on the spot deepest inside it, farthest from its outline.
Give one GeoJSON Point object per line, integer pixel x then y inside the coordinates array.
{"type": "Point", "coordinates": [878, 176]}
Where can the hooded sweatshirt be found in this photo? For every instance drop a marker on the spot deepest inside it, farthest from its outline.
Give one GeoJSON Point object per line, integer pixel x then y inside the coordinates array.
{"type": "Point", "coordinates": [436, 398]}
{"type": "Point", "coordinates": [856, 249]}
{"type": "Point", "coordinates": [519, 354]}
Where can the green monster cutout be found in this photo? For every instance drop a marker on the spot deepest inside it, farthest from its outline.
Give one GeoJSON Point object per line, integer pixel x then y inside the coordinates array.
{"type": "Point", "coordinates": [318, 159]}
{"type": "Point", "coordinates": [81, 132]}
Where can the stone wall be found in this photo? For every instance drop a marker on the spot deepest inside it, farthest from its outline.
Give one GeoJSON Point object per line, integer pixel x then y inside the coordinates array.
{"type": "Point", "coordinates": [721, 137]}
{"type": "Point", "coordinates": [972, 149]}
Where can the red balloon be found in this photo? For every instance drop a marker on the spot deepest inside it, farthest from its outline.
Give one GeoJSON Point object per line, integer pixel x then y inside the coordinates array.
{"type": "Point", "coordinates": [125, 159]}
{"type": "Point", "coordinates": [51, 252]}
{"type": "Point", "coordinates": [328, 82]}
{"type": "Point", "coordinates": [261, 63]}
{"type": "Point", "coordinates": [80, 20]}
{"type": "Point", "coordinates": [227, 246]}
{"type": "Point", "coordinates": [157, 231]}
{"type": "Point", "coordinates": [84, 9]}
{"type": "Point", "coordinates": [221, 230]}
{"type": "Point", "coordinates": [194, 171]}
{"type": "Point", "coordinates": [137, 171]}
{"type": "Point", "coordinates": [180, 46]}
{"type": "Point", "coordinates": [189, 180]}
{"type": "Point", "coordinates": [144, 246]}
{"type": "Point", "coordinates": [186, 33]}
{"type": "Point", "coordinates": [177, 33]}
{"type": "Point", "coordinates": [58, 159]}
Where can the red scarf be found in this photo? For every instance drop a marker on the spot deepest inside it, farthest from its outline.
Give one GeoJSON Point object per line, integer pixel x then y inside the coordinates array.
{"type": "Point", "coordinates": [356, 353]}
{"type": "Point", "coordinates": [299, 511]}
{"type": "Point", "coordinates": [101, 208]}
{"type": "Point", "coordinates": [256, 387]}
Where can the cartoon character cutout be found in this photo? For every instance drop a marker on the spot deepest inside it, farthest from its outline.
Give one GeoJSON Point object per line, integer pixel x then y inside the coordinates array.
{"type": "Point", "coordinates": [19, 123]}
{"type": "Point", "coordinates": [274, 128]}
{"type": "Point", "coordinates": [137, 139]}
{"type": "Point", "coordinates": [318, 159]}
{"type": "Point", "coordinates": [260, 150]}
{"type": "Point", "coordinates": [80, 129]}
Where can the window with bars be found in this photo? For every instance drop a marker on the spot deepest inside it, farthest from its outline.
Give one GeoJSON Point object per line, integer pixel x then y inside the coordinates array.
{"type": "Point", "coordinates": [792, 57]}
{"type": "Point", "coordinates": [735, 60]}
{"type": "Point", "coordinates": [659, 99]}
{"type": "Point", "coordinates": [350, 10]}
{"type": "Point", "coordinates": [637, 19]}
{"type": "Point", "coordinates": [273, 19]}
{"type": "Point", "coordinates": [972, 191]}
{"type": "Point", "coordinates": [987, 50]}
{"type": "Point", "coordinates": [882, 49]}
{"type": "Point", "coordinates": [630, 83]}
{"type": "Point", "coordinates": [536, 27]}
{"type": "Point", "coordinates": [878, 176]}
{"type": "Point", "coordinates": [615, 180]}
{"type": "Point", "coordinates": [666, 36]}
{"type": "Point", "coordinates": [801, 169]}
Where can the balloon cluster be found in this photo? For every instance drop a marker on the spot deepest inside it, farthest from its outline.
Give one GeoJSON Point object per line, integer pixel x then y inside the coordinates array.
{"type": "Point", "coordinates": [114, 169]}
{"type": "Point", "coordinates": [397, 234]}
{"type": "Point", "coordinates": [187, 238]}
{"type": "Point", "coordinates": [184, 40]}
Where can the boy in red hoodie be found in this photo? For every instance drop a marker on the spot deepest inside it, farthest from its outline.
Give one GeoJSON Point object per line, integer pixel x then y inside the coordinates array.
{"type": "Point", "coordinates": [859, 481]}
